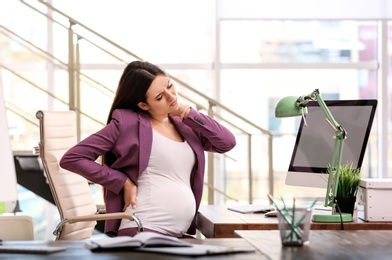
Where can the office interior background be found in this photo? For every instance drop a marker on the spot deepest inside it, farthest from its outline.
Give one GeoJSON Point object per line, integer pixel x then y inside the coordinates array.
{"type": "Point", "coordinates": [233, 59]}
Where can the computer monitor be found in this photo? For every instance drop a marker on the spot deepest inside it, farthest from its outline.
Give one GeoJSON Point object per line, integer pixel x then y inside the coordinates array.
{"type": "Point", "coordinates": [313, 148]}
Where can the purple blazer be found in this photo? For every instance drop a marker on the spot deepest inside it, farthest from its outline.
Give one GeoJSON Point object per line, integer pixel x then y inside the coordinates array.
{"type": "Point", "coordinates": [129, 137]}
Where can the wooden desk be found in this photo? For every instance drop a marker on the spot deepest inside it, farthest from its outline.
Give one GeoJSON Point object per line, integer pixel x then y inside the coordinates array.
{"type": "Point", "coordinates": [216, 221]}
{"type": "Point", "coordinates": [76, 250]}
{"type": "Point", "coordinates": [327, 244]}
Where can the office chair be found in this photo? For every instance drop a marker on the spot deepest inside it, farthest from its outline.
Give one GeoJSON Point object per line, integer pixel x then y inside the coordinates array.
{"type": "Point", "coordinates": [16, 228]}
{"type": "Point", "coordinates": [71, 192]}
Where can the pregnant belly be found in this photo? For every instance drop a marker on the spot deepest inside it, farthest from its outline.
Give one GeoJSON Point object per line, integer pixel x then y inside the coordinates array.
{"type": "Point", "coordinates": [169, 208]}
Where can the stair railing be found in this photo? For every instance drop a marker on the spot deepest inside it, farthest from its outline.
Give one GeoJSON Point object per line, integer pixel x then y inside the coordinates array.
{"type": "Point", "coordinates": [75, 75]}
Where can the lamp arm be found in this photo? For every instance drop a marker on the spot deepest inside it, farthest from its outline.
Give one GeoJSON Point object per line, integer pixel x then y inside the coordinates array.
{"type": "Point", "coordinates": [340, 135]}
{"type": "Point", "coordinates": [333, 177]}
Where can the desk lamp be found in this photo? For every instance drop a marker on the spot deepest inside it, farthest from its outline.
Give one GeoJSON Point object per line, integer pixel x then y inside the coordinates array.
{"type": "Point", "coordinates": [296, 106]}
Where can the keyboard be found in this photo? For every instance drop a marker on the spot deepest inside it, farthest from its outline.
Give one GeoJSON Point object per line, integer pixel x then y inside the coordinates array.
{"type": "Point", "coordinates": [251, 208]}
{"type": "Point", "coordinates": [39, 249]}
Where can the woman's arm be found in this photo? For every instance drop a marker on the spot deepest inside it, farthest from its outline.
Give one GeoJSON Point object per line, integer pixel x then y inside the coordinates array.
{"type": "Point", "coordinates": [81, 158]}
{"type": "Point", "coordinates": [215, 137]}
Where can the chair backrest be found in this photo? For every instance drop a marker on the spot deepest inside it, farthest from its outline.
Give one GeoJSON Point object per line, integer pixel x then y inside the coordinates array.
{"type": "Point", "coordinates": [16, 228]}
{"type": "Point", "coordinates": [71, 192]}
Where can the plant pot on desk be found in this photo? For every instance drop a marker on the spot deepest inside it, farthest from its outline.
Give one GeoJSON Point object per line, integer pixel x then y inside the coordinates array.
{"type": "Point", "coordinates": [346, 204]}
{"type": "Point", "coordinates": [348, 184]}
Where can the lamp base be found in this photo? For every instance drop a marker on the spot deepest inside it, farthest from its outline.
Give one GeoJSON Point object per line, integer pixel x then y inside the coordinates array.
{"type": "Point", "coordinates": [345, 217]}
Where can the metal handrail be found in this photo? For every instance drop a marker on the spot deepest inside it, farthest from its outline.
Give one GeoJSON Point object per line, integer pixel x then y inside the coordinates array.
{"type": "Point", "coordinates": [199, 93]}
{"type": "Point", "coordinates": [74, 79]}
{"type": "Point", "coordinates": [47, 92]}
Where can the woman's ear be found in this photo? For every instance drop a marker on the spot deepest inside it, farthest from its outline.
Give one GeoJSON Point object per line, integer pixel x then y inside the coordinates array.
{"type": "Point", "coordinates": [143, 106]}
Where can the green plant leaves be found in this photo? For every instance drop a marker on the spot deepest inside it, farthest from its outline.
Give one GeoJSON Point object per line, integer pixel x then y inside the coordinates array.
{"type": "Point", "coordinates": [349, 180]}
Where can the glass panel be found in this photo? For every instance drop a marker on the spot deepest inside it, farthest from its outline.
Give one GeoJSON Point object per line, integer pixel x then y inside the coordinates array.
{"type": "Point", "coordinates": [297, 41]}
{"type": "Point", "coordinates": [24, 96]}
{"type": "Point", "coordinates": [388, 173]}
{"type": "Point", "coordinates": [152, 29]}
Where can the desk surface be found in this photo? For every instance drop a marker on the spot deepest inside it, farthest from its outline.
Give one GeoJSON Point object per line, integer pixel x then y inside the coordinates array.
{"type": "Point", "coordinates": [76, 250]}
{"type": "Point", "coordinates": [216, 221]}
{"type": "Point", "coordinates": [327, 244]}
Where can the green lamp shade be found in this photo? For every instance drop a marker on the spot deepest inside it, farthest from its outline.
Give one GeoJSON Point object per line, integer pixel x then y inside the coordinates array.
{"type": "Point", "coordinates": [287, 107]}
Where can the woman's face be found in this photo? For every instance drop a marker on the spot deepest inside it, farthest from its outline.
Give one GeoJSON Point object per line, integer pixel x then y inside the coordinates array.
{"type": "Point", "coordinates": [161, 97]}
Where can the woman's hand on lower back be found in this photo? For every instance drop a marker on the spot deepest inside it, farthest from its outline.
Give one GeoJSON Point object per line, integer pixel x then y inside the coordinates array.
{"type": "Point", "coordinates": [130, 192]}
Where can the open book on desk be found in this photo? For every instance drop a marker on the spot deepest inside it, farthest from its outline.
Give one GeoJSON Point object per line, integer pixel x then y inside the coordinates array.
{"type": "Point", "coordinates": [143, 239]}
{"type": "Point", "coordinates": [157, 243]}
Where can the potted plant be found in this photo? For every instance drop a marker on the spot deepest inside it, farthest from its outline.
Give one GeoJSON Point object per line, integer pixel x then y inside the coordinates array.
{"type": "Point", "coordinates": [348, 185]}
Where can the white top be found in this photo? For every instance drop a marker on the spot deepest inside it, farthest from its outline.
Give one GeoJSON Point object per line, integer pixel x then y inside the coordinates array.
{"type": "Point", "coordinates": [165, 202]}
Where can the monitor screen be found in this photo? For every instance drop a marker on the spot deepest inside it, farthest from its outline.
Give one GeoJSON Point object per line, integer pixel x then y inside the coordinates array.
{"type": "Point", "coordinates": [313, 149]}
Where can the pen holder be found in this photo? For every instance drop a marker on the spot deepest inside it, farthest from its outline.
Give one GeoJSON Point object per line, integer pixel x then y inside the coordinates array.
{"type": "Point", "coordinates": [294, 226]}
